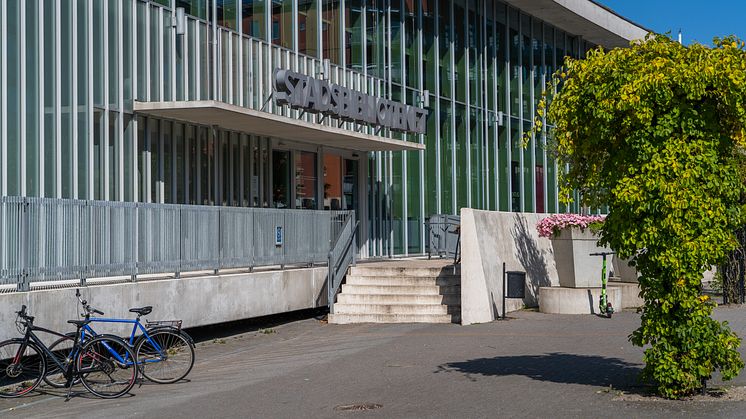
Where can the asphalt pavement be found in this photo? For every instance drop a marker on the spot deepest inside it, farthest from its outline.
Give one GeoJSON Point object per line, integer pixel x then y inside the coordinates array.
{"type": "Point", "coordinates": [532, 365]}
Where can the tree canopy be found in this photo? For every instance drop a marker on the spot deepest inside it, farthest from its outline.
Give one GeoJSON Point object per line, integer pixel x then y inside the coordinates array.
{"type": "Point", "coordinates": [657, 132]}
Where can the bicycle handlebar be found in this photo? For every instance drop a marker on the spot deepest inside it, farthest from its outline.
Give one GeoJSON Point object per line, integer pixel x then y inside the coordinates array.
{"type": "Point", "coordinates": [87, 307]}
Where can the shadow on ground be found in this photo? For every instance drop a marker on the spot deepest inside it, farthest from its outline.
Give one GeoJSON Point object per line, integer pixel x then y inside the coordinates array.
{"type": "Point", "coordinates": [553, 367]}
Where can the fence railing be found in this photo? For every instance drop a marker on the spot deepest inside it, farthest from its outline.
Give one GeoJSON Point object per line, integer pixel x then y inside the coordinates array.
{"type": "Point", "coordinates": [43, 239]}
{"type": "Point", "coordinates": [341, 256]}
{"type": "Point", "coordinates": [444, 232]}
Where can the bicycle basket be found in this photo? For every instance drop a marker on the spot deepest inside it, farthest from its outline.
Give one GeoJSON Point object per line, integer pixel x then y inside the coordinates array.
{"type": "Point", "coordinates": [176, 324]}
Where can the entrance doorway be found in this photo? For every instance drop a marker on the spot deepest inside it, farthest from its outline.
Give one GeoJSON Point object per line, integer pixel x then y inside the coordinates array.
{"type": "Point", "coordinates": [340, 183]}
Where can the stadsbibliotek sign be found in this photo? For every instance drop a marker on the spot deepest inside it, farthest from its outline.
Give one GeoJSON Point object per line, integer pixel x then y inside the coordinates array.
{"type": "Point", "coordinates": [319, 96]}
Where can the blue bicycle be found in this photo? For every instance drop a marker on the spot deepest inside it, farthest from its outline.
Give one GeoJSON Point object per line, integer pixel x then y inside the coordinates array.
{"type": "Point", "coordinates": [163, 352]}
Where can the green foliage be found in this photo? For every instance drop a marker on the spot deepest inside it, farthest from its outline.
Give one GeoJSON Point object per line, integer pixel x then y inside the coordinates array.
{"type": "Point", "coordinates": [657, 132]}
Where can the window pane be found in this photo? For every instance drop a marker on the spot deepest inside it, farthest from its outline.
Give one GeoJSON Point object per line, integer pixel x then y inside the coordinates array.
{"type": "Point", "coordinates": [98, 152]}
{"type": "Point", "coordinates": [168, 56]}
{"type": "Point", "coordinates": [375, 37]}
{"type": "Point", "coordinates": [330, 28]}
{"type": "Point", "coordinates": [142, 158]}
{"type": "Point", "coordinates": [411, 44]}
{"type": "Point", "coordinates": [462, 149]}
{"type": "Point", "coordinates": [49, 98]}
{"type": "Point", "coordinates": [226, 13]}
{"type": "Point", "coordinates": [282, 23]}
{"type": "Point", "coordinates": [33, 94]}
{"type": "Point", "coordinates": [281, 178]}
{"type": "Point", "coordinates": [66, 96]}
{"type": "Point", "coordinates": [155, 55]}
{"type": "Point", "coordinates": [196, 8]}
{"type": "Point", "coordinates": [305, 178]}
{"type": "Point", "coordinates": [113, 155]}
{"type": "Point", "coordinates": [444, 45]}
{"type": "Point", "coordinates": [429, 52]}
{"type": "Point", "coordinates": [13, 97]}
{"type": "Point", "coordinates": [154, 147]}
{"type": "Point", "coordinates": [459, 49]}
{"type": "Point", "coordinates": [395, 35]}
{"type": "Point", "coordinates": [354, 34]}
{"type": "Point", "coordinates": [129, 157]}
{"type": "Point", "coordinates": [252, 18]}
{"type": "Point", "coordinates": [446, 157]}
{"type": "Point", "coordinates": [113, 52]}
{"type": "Point", "coordinates": [191, 177]}
{"type": "Point", "coordinates": [83, 115]}
{"type": "Point", "coordinates": [168, 157]}
{"type": "Point", "coordinates": [308, 28]}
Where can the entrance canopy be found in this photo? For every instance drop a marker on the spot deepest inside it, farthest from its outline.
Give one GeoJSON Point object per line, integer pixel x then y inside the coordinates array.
{"type": "Point", "coordinates": [250, 121]}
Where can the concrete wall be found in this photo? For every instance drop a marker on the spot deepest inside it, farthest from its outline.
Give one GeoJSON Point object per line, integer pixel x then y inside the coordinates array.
{"type": "Point", "coordinates": [198, 301]}
{"type": "Point", "coordinates": [490, 238]}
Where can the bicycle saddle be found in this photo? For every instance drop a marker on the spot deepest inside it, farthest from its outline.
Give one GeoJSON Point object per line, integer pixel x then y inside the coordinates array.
{"type": "Point", "coordinates": [143, 311]}
{"type": "Point", "coordinates": [79, 322]}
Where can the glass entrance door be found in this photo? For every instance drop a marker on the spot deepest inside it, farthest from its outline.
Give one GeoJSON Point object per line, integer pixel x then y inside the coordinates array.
{"type": "Point", "coordinates": [340, 183]}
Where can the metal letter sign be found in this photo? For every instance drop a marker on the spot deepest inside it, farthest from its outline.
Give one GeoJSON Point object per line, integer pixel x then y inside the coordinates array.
{"type": "Point", "coordinates": [319, 96]}
{"type": "Point", "coordinates": [278, 235]}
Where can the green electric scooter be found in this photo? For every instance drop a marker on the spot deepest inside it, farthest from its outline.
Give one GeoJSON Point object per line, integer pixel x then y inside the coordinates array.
{"type": "Point", "coordinates": [604, 305]}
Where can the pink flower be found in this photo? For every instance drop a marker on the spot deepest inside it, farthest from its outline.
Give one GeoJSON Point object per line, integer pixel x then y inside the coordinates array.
{"type": "Point", "coordinates": [551, 226]}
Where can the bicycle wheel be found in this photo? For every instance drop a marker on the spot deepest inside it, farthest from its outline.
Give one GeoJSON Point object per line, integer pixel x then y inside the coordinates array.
{"type": "Point", "coordinates": [166, 357]}
{"type": "Point", "coordinates": [61, 349]}
{"type": "Point", "coordinates": [104, 369]}
{"type": "Point", "coordinates": [20, 372]}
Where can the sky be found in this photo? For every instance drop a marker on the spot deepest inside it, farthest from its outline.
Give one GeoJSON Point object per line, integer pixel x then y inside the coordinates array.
{"type": "Point", "coordinates": [699, 20]}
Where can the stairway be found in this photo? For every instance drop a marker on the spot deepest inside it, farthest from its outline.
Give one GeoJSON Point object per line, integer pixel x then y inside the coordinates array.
{"type": "Point", "coordinates": [416, 291]}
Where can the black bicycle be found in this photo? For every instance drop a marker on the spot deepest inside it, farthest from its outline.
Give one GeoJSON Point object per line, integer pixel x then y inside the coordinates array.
{"type": "Point", "coordinates": [94, 362]}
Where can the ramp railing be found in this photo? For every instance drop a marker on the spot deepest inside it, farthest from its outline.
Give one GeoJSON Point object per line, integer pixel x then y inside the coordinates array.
{"type": "Point", "coordinates": [44, 239]}
{"type": "Point", "coordinates": [444, 236]}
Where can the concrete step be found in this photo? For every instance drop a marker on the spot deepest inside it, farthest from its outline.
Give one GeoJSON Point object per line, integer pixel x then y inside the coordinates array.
{"type": "Point", "coordinates": [395, 309]}
{"type": "Point", "coordinates": [450, 299]}
{"type": "Point", "coordinates": [393, 318]}
{"type": "Point", "coordinates": [403, 280]}
{"type": "Point", "coordinates": [397, 271]}
{"type": "Point", "coordinates": [400, 289]}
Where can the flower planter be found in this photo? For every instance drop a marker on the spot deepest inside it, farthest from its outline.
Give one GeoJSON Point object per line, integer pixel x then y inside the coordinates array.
{"type": "Point", "coordinates": [575, 267]}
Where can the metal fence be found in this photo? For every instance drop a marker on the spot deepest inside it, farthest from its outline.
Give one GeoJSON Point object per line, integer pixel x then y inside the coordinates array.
{"type": "Point", "coordinates": [444, 234]}
{"type": "Point", "coordinates": [44, 239]}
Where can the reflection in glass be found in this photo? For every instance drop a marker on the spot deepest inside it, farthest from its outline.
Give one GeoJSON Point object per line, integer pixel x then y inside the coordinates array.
{"type": "Point", "coordinates": [308, 27]}
{"type": "Point", "coordinates": [252, 14]}
{"type": "Point", "coordinates": [226, 13]}
{"type": "Point", "coordinates": [354, 34]}
{"type": "Point", "coordinates": [330, 29]}
{"type": "Point", "coordinates": [375, 37]}
{"type": "Point", "coordinates": [305, 180]}
{"type": "Point", "coordinates": [332, 182]}
{"type": "Point", "coordinates": [282, 23]}
{"type": "Point", "coordinates": [281, 178]}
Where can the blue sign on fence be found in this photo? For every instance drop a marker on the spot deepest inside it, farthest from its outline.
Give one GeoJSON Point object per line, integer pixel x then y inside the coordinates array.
{"type": "Point", "coordinates": [278, 235]}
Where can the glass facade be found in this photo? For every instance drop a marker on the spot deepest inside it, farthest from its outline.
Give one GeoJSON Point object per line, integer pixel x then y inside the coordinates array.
{"type": "Point", "coordinates": [71, 72]}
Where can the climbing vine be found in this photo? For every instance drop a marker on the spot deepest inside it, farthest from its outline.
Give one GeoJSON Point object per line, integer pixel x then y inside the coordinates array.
{"type": "Point", "coordinates": [657, 133]}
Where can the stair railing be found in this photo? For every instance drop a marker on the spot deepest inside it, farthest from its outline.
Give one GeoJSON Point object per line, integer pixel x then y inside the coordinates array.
{"type": "Point", "coordinates": [341, 256]}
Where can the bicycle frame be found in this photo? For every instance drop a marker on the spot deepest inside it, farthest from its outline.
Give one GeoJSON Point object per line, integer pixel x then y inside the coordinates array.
{"type": "Point", "coordinates": [67, 369]}
{"type": "Point", "coordinates": [135, 326]}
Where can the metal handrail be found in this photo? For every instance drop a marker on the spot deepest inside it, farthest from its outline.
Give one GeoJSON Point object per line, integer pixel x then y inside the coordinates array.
{"type": "Point", "coordinates": [341, 257]}
{"type": "Point", "coordinates": [440, 240]}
